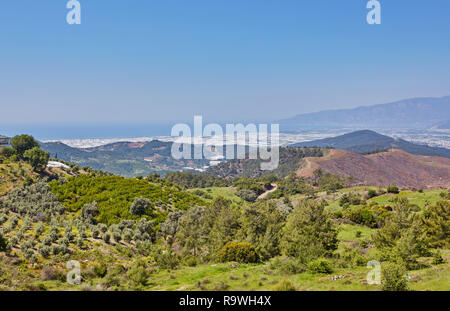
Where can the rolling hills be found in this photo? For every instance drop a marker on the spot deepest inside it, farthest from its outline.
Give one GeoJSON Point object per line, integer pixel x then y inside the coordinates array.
{"type": "Point", "coordinates": [128, 159]}
{"type": "Point", "coordinates": [369, 141]}
{"type": "Point", "coordinates": [384, 168]}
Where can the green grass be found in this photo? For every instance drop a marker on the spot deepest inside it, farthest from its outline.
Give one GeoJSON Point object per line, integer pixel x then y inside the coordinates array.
{"type": "Point", "coordinates": [348, 232]}
{"type": "Point", "coordinates": [228, 193]}
{"type": "Point", "coordinates": [261, 277]}
{"type": "Point", "coordinates": [414, 197]}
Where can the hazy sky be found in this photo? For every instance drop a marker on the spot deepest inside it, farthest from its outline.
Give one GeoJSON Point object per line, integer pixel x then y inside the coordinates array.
{"type": "Point", "coordinates": [159, 60]}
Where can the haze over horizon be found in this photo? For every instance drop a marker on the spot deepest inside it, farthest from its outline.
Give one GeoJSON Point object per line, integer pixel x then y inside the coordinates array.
{"type": "Point", "coordinates": [155, 62]}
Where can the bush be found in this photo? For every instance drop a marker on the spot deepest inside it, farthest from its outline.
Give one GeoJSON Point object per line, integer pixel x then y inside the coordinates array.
{"type": "Point", "coordinates": [320, 265]}
{"type": "Point", "coordinates": [437, 258]}
{"type": "Point", "coordinates": [140, 206]}
{"type": "Point", "coordinates": [51, 274]}
{"type": "Point", "coordinates": [393, 189]}
{"type": "Point", "coordinates": [138, 275]}
{"type": "Point", "coordinates": [190, 261]}
{"type": "Point", "coordinates": [372, 193]}
{"type": "Point", "coordinates": [100, 269]}
{"type": "Point", "coordinates": [284, 286]}
{"type": "Point", "coordinates": [107, 237]}
{"type": "Point", "coordinates": [165, 257]}
{"type": "Point", "coordinates": [393, 277]}
{"type": "Point", "coordinates": [247, 195]}
{"type": "Point", "coordinates": [4, 246]}
{"type": "Point", "coordinates": [44, 250]}
{"type": "Point", "coordinates": [287, 265]}
{"type": "Point", "coordinates": [238, 251]}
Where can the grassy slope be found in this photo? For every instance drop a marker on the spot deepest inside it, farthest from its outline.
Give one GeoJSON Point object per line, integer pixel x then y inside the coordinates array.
{"type": "Point", "coordinates": [18, 274]}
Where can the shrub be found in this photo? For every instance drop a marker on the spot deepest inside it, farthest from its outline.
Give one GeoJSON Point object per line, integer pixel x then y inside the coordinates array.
{"type": "Point", "coordinates": [37, 158]}
{"type": "Point", "coordinates": [44, 250]}
{"type": "Point", "coordinates": [190, 261]}
{"type": "Point", "coordinates": [247, 195]}
{"type": "Point", "coordinates": [309, 233]}
{"type": "Point", "coordinates": [138, 275]}
{"type": "Point", "coordinates": [4, 245]}
{"type": "Point", "coordinates": [393, 277]}
{"type": "Point", "coordinates": [393, 189]}
{"type": "Point", "coordinates": [127, 235]}
{"type": "Point", "coordinates": [107, 237]}
{"type": "Point", "coordinates": [117, 236]}
{"type": "Point", "coordinates": [372, 193]}
{"type": "Point", "coordinates": [284, 286]}
{"type": "Point", "coordinates": [437, 258]}
{"type": "Point", "coordinates": [165, 257]}
{"type": "Point", "coordinates": [238, 251]}
{"type": "Point", "coordinates": [51, 274]}
{"type": "Point", "coordinates": [140, 206]}
{"type": "Point", "coordinates": [320, 265]}
{"type": "Point", "coordinates": [100, 269]}
{"type": "Point", "coordinates": [287, 265]}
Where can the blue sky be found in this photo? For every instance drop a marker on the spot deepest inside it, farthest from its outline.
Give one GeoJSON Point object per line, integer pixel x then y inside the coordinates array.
{"type": "Point", "coordinates": [164, 60]}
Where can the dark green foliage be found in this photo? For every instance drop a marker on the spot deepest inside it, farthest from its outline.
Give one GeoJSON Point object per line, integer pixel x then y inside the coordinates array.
{"type": "Point", "coordinates": [37, 158]}
{"type": "Point", "coordinates": [393, 277]}
{"type": "Point", "coordinates": [192, 233]}
{"type": "Point", "coordinates": [100, 269]}
{"type": "Point", "coordinates": [309, 233]}
{"type": "Point", "coordinates": [165, 257]}
{"type": "Point", "coordinates": [6, 152]}
{"type": "Point", "coordinates": [287, 265]}
{"type": "Point", "coordinates": [261, 226]}
{"type": "Point", "coordinates": [289, 160]}
{"type": "Point", "coordinates": [436, 222]}
{"type": "Point", "coordinates": [247, 195]}
{"type": "Point", "coordinates": [115, 195]}
{"type": "Point", "coordinates": [3, 243]}
{"type": "Point", "coordinates": [363, 216]}
{"type": "Point", "coordinates": [22, 143]}
{"type": "Point", "coordinates": [141, 206]}
{"type": "Point", "coordinates": [190, 180]}
{"type": "Point", "coordinates": [238, 251]}
{"type": "Point", "coordinates": [138, 275]}
{"type": "Point", "coordinates": [327, 182]}
{"type": "Point", "coordinates": [437, 258]}
{"type": "Point", "coordinates": [292, 185]}
{"type": "Point", "coordinates": [170, 226]}
{"type": "Point", "coordinates": [36, 201]}
{"type": "Point", "coordinates": [107, 237]}
{"type": "Point", "coordinates": [402, 238]}
{"type": "Point", "coordinates": [372, 193]}
{"type": "Point", "coordinates": [89, 212]}
{"type": "Point", "coordinates": [351, 198]}
{"type": "Point", "coordinates": [393, 189]}
{"type": "Point", "coordinates": [320, 265]}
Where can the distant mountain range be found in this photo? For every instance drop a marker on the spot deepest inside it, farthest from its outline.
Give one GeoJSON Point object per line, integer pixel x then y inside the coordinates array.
{"type": "Point", "coordinates": [409, 113]}
{"type": "Point", "coordinates": [369, 141]}
{"type": "Point", "coordinates": [444, 125]}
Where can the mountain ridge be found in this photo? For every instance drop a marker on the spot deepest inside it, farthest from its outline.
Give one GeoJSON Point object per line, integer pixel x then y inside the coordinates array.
{"type": "Point", "coordinates": [420, 112]}
{"type": "Point", "coordinates": [367, 141]}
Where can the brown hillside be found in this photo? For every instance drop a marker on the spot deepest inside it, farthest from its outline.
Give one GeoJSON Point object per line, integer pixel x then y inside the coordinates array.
{"type": "Point", "coordinates": [396, 166]}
